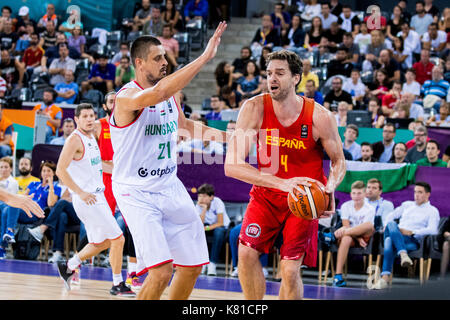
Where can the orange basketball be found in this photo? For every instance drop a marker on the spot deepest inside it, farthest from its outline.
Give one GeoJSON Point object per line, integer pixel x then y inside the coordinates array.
{"type": "Point", "coordinates": [312, 205]}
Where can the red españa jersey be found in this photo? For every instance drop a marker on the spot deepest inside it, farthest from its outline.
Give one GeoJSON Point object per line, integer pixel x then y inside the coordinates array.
{"type": "Point", "coordinates": [104, 141]}
{"type": "Point", "coordinates": [288, 152]}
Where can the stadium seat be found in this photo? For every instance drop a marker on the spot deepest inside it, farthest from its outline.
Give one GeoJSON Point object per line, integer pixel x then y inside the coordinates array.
{"type": "Point", "coordinates": [184, 42]}
{"type": "Point", "coordinates": [197, 31]}
{"type": "Point", "coordinates": [206, 104]}
{"type": "Point", "coordinates": [433, 248]}
{"type": "Point", "coordinates": [94, 97]}
{"type": "Point", "coordinates": [38, 94]}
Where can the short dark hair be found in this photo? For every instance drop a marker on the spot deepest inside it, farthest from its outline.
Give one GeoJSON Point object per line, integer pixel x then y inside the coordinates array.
{"type": "Point", "coordinates": [346, 6]}
{"type": "Point", "coordinates": [326, 4]}
{"type": "Point", "coordinates": [435, 142]}
{"type": "Point", "coordinates": [366, 144]}
{"type": "Point", "coordinates": [206, 189]}
{"type": "Point", "coordinates": [48, 164]}
{"type": "Point", "coordinates": [29, 159]}
{"type": "Point", "coordinates": [352, 126]}
{"type": "Point", "coordinates": [51, 90]}
{"type": "Point", "coordinates": [375, 180]}
{"type": "Point", "coordinates": [412, 70]}
{"type": "Point", "coordinates": [7, 8]}
{"type": "Point", "coordinates": [421, 2]}
{"type": "Point", "coordinates": [348, 34]}
{"type": "Point", "coordinates": [392, 125]}
{"type": "Point", "coordinates": [293, 60]}
{"type": "Point", "coordinates": [126, 58]}
{"type": "Point", "coordinates": [141, 46]}
{"type": "Point", "coordinates": [109, 94]}
{"type": "Point", "coordinates": [83, 106]}
{"type": "Point", "coordinates": [425, 185]}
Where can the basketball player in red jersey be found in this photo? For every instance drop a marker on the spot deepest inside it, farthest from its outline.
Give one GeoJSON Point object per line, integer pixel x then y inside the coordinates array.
{"type": "Point", "coordinates": [292, 132]}
{"type": "Point", "coordinates": [103, 136]}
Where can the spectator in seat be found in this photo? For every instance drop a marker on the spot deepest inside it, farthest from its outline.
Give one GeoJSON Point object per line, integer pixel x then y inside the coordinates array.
{"type": "Point", "coordinates": [61, 215]}
{"type": "Point", "coordinates": [215, 106]}
{"type": "Point", "coordinates": [154, 26]}
{"type": "Point", "coordinates": [348, 20]}
{"type": "Point", "coordinates": [33, 54]}
{"type": "Point", "coordinates": [379, 87]}
{"type": "Point", "coordinates": [66, 91]}
{"type": "Point", "coordinates": [48, 37]}
{"type": "Point", "coordinates": [312, 9]}
{"type": "Point", "coordinates": [383, 149]}
{"type": "Point", "coordinates": [142, 15]}
{"type": "Point", "coordinates": [11, 70]}
{"type": "Point", "coordinates": [437, 87]}
{"type": "Point", "coordinates": [326, 16]}
{"type": "Point", "coordinates": [411, 40]}
{"type": "Point", "coordinates": [314, 35]}
{"type": "Point", "coordinates": [48, 16]}
{"type": "Point", "coordinates": [421, 20]}
{"type": "Point", "coordinates": [172, 16]}
{"type": "Point", "coordinates": [411, 85]}
{"type": "Point", "coordinates": [8, 183]}
{"type": "Point", "coordinates": [357, 227]}
{"type": "Point", "coordinates": [363, 39]}
{"type": "Point", "coordinates": [101, 77]}
{"type": "Point", "coordinates": [443, 117]}
{"type": "Point", "coordinates": [399, 153]}
{"type": "Point", "coordinates": [373, 50]}
{"type": "Point", "coordinates": [355, 87]}
{"type": "Point", "coordinates": [72, 22]}
{"type": "Point", "coordinates": [307, 75]}
{"type": "Point", "coordinates": [214, 216]}
{"type": "Point", "coordinates": [376, 113]}
{"type": "Point", "coordinates": [367, 153]}
{"type": "Point", "coordinates": [401, 111]}
{"type": "Point", "coordinates": [6, 131]}
{"type": "Point", "coordinates": [339, 65]}
{"type": "Point", "coordinates": [280, 19]}
{"type": "Point", "coordinates": [6, 16]}
{"type": "Point", "coordinates": [45, 192]}
{"type": "Point", "coordinates": [387, 62]}
{"type": "Point", "coordinates": [336, 95]}
{"type": "Point", "coordinates": [350, 135]}
{"type": "Point", "coordinates": [59, 66]}
{"type": "Point", "coordinates": [124, 51]}
{"type": "Point", "coordinates": [312, 93]}
{"type": "Point", "coordinates": [25, 177]}
{"type": "Point", "coordinates": [171, 46]}
{"type": "Point", "coordinates": [418, 218]}
{"type": "Point", "coordinates": [394, 25]}
{"type": "Point", "coordinates": [231, 97]}
{"type": "Point", "coordinates": [124, 72]}
{"type": "Point", "coordinates": [68, 127]}
{"type": "Point", "coordinates": [406, 16]}
{"type": "Point", "coordinates": [335, 36]}
{"type": "Point", "coordinates": [415, 110]}
{"type": "Point", "coordinates": [293, 37]}
{"type": "Point", "coordinates": [423, 67]}
{"type": "Point", "coordinates": [434, 39]}
{"type": "Point", "coordinates": [187, 110]}
{"type": "Point", "coordinates": [223, 75]}
{"type": "Point", "coordinates": [198, 146]}
{"type": "Point", "coordinates": [341, 115]}
{"type": "Point", "coordinates": [382, 206]}
{"type": "Point", "coordinates": [248, 84]}
{"type": "Point", "coordinates": [196, 9]}
{"type": "Point", "coordinates": [418, 151]}
{"type": "Point", "coordinates": [353, 52]}
{"type": "Point", "coordinates": [77, 41]}
{"type": "Point", "coordinates": [240, 63]}
{"type": "Point", "coordinates": [390, 99]}
{"type": "Point", "coordinates": [263, 60]}
{"type": "Point", "coordinates": [401, 54]}
{"type": "Point", "coordinates": [51, 111]}
{"type": "Point", "coordinates": [8, 38]}
{"type": "Point", "coordinates": [432, 151]}
{"type": "Point", "coordinates": [266, 35]}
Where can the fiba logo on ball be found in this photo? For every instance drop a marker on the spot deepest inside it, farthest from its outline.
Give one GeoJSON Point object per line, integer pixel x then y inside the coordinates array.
{"type": "Point", "coordinates": [253, 230]}
{"type": "Point", "coordinates": [142, 172]}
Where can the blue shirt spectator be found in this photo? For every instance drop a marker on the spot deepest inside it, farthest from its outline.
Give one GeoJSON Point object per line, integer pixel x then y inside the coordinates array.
{"type": "Point", "coordinates": [318, 97]}
{"type": "Point", "coordinates": [40, 193]}
{"type": "Point", "coordinates": [67, 91]}
{"type": "Point", "coordinates": [436, 87]}
{"type": "Point", "coordinates": [213, 116]}
{"type": "Point", "coordinates": [196, 8]}
{"type": "Point", "coordinates": [106, 72]}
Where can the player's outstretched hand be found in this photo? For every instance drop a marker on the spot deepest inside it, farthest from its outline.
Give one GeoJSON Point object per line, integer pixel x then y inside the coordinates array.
{"type": "Point", "coordinates": [88, 198]}
{"type": "Point", "coordinates": [213, 43]}
{"type": "Point", "coordinates": [25, 203]}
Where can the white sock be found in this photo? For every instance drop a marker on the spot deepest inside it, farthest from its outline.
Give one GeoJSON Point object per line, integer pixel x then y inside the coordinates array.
{"type": "Point", "coordinates": [117, 279]}
{"type": "Point", "coordinates": [74, 262]}
{"type": "Point", "coordinates": [131, 267]}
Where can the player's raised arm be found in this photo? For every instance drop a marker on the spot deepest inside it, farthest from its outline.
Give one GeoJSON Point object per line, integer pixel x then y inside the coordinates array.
{"type": "Point", "coordinates": [325, 124]}
{"type": "Point", "coordinates": [72, 147]}
{"type": "Point", "coordinates": [23, 202]}
{"type": "Point", "coordinates": [151, 57]}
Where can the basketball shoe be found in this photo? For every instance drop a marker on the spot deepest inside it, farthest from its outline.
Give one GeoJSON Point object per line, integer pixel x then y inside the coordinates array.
{"type": "Point", "coordinates": [9, 237]}
{"type": "Point", "coordinates": [122, 290]}
{"type": "Point", "coordinates": [133, 281]}
{"type": "Point", "coordinates": [338, 281]}
{"type": "Point", "coordinates": [65, 273]}
{"type": "Point", "coordinates": [76, 278]}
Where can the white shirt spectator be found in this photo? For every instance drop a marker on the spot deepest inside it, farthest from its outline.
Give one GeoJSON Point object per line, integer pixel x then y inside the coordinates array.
{"type": "Point", "coordinates": [217, 206]}
{"type": "Point", "coordinates": [408, 53]}
{"type": "Point", "coordinates": [357, 217]}
{"type": "Point", "coordinates": [10, 184]}
{"type": "Point", "coordinates": [413, 87]}
{"type": "Point", "coordinates": [441, 38]}
{"type": "Point", "coordinates": [326, 23]}
{"type": "Point", "coordinates": [363, 40]}
{"type": "Point", "coordinates": [382, 207]}
{"type": "Point", "coordinates": [311, 11]}
{"type": "Point", "coordinates": [67, 63]}
{"type": "Point", "coordinates": [355, 150]}
{"type": "Point", "coordinates": [356, 90]}
{"type": "Point", "coordinates": [416, 111]}
{"type": "Point", "coordinates": [421, 24]}
{"type": "Point", "coordinates": [422, 220]}
{"type": "Point", "coordinates": [412, 41]}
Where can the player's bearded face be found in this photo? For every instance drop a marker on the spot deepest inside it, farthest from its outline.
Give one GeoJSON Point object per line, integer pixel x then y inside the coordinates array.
{"type": "Point", "coordinates": [280, 80]}
{"type": "Point", "coordinates": [155, 67]}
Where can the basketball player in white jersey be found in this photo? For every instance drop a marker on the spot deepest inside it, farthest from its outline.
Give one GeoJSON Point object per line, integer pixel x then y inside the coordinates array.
{"type": "Point", "coordinates": [80, 169]}
{"type": "Point", "coordinates": [160, 214]}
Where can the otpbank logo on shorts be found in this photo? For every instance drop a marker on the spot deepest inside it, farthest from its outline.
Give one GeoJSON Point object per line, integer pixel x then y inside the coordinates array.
{"type": "Point", "coordinates": [143, 172]}
{"type": "Point", "coordinates": [253, 230]}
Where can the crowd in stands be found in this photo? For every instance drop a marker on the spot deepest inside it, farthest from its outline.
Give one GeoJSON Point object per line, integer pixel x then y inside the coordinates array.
{"type": "Point", "coordinates": [397, 74]}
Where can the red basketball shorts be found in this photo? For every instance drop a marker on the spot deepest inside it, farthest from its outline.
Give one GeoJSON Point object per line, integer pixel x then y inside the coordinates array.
{"type": "Point", "coordinates": [109, 193]}
{"type": "Point", "coordinates": [267, 215]}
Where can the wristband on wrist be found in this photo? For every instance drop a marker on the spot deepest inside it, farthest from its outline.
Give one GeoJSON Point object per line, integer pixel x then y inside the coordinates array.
{"type": "Point", "coordinates": [207, 228]}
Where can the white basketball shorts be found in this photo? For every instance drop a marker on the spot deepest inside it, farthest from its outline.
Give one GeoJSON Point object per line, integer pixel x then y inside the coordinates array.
{"type": "Point", "coordinates": [165, 226]}
{"type": "Point", "coordinates": [98, 220]}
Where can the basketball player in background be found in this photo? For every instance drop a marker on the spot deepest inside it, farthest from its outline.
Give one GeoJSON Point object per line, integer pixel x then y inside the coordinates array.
{"type": "Point", "coordinates": [292, 132]}
{"type": "Point", "coordinates": [80, 169]}
{"type": "Point", "coordinates": [145, 124]}
{"type": "Point", "coordinates": [103, 136]}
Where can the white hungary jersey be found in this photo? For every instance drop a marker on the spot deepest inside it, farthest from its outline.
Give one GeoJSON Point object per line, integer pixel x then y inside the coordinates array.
{"type": "Point", "coordinates": [145, 150]}
{"type": "Point", "coordinates": [87, 172]}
